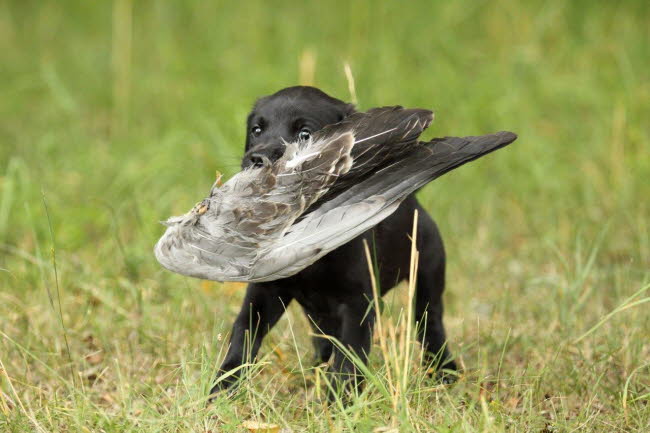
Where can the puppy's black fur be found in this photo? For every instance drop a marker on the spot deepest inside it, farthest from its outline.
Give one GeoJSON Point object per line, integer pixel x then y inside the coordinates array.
{"type": "Point", "coordinates": [335, 292]}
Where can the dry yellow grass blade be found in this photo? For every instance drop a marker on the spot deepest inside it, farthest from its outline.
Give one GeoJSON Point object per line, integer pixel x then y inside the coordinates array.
{"type": "Point", "coordinates": [307, 68]}
{"type": "Point", "coordinates": [260, 427]}
{"type": "Point", "coordinates": [351, 86]}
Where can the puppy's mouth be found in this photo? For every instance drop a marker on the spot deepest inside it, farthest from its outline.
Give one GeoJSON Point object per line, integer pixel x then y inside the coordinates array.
{"type": "Point", "coordinates": [255, 159]}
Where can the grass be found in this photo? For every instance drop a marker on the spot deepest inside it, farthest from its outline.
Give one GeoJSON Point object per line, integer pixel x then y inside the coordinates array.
{"type": "Point", "coordinates": [117, 114]}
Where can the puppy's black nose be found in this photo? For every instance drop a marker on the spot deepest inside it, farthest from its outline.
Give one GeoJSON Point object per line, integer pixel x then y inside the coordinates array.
{"type": "Point", "coordinates": [256, 159]}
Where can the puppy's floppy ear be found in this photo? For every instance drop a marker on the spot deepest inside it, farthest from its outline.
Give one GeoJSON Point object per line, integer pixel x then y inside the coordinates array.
{"type": "Point", "coordinates": [346, 109]}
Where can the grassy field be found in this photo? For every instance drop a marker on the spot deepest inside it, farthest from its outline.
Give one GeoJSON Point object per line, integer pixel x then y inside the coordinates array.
{"type": "Point", "coordinates": [115, 115]}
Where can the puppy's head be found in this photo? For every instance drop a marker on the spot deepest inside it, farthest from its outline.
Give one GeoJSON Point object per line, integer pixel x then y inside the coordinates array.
{"type": "Point", "coordinates": [291, 114]}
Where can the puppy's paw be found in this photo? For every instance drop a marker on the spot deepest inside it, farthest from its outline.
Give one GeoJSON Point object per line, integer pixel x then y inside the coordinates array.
{"type": "Point", "coordinates": [446, 373]}
{"type": "Point", "coordinates": [226, 387]}
{"type": "Point", "coordinates": [344, 387]}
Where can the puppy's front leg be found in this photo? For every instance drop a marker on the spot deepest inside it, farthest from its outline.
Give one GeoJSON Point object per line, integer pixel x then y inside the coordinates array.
{"type": "Point", "coordinates": [357, 324]}
{"type": "Point", "coordinates": [263, 306]}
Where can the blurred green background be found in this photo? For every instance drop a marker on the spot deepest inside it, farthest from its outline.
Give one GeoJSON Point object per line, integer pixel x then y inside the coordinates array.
{"type": "Point", "coordinates": [133, 108]}
{"type": "Point", "coordinates": [118, 114]}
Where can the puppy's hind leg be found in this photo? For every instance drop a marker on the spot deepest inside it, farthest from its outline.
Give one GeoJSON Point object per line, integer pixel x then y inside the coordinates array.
{"type": "Point", "coordinates": [428, 297]}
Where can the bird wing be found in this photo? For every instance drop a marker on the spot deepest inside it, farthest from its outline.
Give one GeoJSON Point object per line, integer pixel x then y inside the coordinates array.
{"type": "Point", "coordinates": [367, 203]}
{"type": "Point", "coordinates": [271, 222]}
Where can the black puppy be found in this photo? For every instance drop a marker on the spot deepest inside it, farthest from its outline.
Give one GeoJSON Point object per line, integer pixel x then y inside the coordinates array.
{"type": "Point", "coordinates": [335, 292]}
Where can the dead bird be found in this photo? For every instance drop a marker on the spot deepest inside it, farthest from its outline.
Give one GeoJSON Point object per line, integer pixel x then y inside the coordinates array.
{"type": "Point", "coordinates": [274, 219]}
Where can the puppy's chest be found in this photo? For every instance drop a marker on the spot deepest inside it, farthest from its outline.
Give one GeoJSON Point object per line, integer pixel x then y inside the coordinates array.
{"type": "Point", "coordinates": [327, 302]}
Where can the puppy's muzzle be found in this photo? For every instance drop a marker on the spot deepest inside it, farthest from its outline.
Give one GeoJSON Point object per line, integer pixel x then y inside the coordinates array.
{"type": "Point", "coordinates": [258, 154]}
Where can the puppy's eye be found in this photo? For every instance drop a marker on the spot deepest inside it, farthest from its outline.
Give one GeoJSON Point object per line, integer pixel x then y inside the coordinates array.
{"type": "Point", "coordinates": [304, 134]}
{"type": "Point", "coordinates": [256, 131]}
